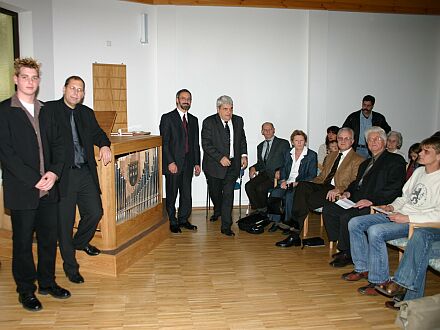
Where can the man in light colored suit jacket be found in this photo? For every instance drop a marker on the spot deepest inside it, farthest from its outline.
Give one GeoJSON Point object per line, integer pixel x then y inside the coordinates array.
{"type": "Point", "coordinates": [225, 152]}
{"type": "Point", "coordinates": [339, 170]}
{"type": "Point", "coordinates": [270, 158]}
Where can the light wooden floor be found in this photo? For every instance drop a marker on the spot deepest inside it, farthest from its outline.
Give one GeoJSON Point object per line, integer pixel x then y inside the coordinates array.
{"type": "Point", "coordinates": [205, 280]}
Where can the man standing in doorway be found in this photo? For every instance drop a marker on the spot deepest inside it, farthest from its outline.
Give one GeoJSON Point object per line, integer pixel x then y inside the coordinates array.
{"type": "Point", "coordinates": [225, 153]}
{"type": "Point", "coordinates": [180, 158]}
{"type": "Point", "coordinates": [32, 156]}
{"type": "Point", "coordinates": [79, 184]}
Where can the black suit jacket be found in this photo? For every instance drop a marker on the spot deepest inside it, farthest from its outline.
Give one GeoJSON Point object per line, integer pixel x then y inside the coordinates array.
{"type": "Point", "coordinates": [173, 140]}
{"type": "Point", "coordinates": [353, 121]}
{"type": "Point", "coordinates": [90, 134]}
{"type": "Point", "coordinates": [215, 145]}
{"type": "Point", "coordinates": [19, 155]}
{"type": "Point", "coordinates": [383, 183]}
{"type": "Point", "coordinates": [275, 159]}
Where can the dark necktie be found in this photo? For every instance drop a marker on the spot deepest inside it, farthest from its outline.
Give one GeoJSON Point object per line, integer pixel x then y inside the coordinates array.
{"type": "Point", "coordinates": [266, 153]}
{"type": "Point", "coordinates": [228, 138]}
{"type": "Point", "coordinates": [185, 128]}
{"type": "Point", "coordinates": [79, 158]}
{"type": "Point", "coordinates": [370, 165]}
{"type": "Point", "coordinates": [332, 173]}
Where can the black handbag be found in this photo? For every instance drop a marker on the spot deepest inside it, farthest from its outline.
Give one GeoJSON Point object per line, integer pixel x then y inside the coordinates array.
{"type": "Point", "coordinates": [313, 242]}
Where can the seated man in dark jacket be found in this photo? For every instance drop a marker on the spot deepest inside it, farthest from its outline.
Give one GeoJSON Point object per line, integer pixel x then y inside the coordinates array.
{"type": "Point", "coordinates": [270, 154]}
{"type": "Point", "coordinates": [379, 181]}
{"type": "Point", "coordinates": [300, 164]}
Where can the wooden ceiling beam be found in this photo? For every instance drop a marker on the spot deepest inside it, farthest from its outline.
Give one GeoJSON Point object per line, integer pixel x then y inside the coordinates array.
{"type": "Point", "coordinates": [420, 7]}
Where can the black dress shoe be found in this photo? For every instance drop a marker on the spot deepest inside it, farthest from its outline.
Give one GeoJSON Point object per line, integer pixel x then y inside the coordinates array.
{"type": "Point", "coordinates": [335, 255]}
{"type": "Point", "coordinates": [75, 278]}
{"type": "Point", "coordinates": [175, 229]}
{"type": "Point", "coordinates": [227, 232]}
{"type": "Point", "coordinates": [214, 218]}
{"type": "Point", "coordinates": [342, 260]}
{"type": "Point", "coordinates": [188, 225]}
{"type": "Point", "coordinates": [91, 250]}
{"type": "Point", "coordinates": [55, 291]}
{"type": "Point", "coordinates": [30, 302]}
{"type": "Point", "coordinates": [292, 240]}
{"type": "Point", "coordinates": [274, 228]}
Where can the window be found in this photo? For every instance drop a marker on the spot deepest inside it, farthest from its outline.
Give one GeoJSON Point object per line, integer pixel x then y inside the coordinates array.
{"type": "Point", "coordinates": [8, 51]}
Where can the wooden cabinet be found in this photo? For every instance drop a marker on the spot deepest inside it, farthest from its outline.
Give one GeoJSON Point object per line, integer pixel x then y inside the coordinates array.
{"type": "Point", "coordinates": [134, 224]}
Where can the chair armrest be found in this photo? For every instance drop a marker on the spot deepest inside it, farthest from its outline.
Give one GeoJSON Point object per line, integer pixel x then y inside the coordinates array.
{"type": "Point", "coordinates": [413, 225]}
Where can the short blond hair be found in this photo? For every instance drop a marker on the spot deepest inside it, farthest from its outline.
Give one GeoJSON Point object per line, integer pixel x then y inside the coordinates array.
{"type": "Point", "coordinates": [27, 62]}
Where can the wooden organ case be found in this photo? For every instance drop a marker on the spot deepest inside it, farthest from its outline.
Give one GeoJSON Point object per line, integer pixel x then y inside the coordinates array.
{"type": "Point", "coordinates": [134, 220]}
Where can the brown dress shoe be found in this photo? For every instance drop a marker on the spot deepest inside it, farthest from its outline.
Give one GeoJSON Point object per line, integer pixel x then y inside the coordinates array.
{"type": "Point", "coordinates": [392, 305]}
{"type": "Point", "coordinates": [354, 276]}
{"type": "Point", "coordinates": [368, 290]}
{"type": "Point", "coordinates": [391, 289]}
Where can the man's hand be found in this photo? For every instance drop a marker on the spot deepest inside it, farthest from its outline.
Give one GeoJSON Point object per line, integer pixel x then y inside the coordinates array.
{"type": "Point", "coordinates": [398, 217]}
{"type": "Point", "coordinates": [105, 154]}
{"type": "Point", "coordinates": [47, 181]}
{"type": "Point", "coordinates": [333, 194]}
{"type": "Point", "coordinates": [283, 185]}
{"type": "Point", "coordinates": [244, 162]}
{"type": "Point", "coordinates": [172, 167]}
{"type": "Point", "coordinates": [346, 194]}
{"type": "Point", "coordinates": [388, 208]}
{"type": "Point", "coordinates": [363, 203]}
{"type": "Point", "coordinates": [252, 172]}
{"type": "Point", "coordinates": [225, 161]}
{"type": "Point", "coordinates": [197, 170]}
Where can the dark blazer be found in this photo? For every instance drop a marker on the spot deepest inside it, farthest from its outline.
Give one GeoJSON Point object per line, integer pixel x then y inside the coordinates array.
{"type": "Point", "coordinates": [89, 132]}
{"type": "Point", "coordinates": [215, 145]}
{"type": "Point", "coordinates": [275, 158]}
{"type": "Point", "coordinates": [19, 155]}
{"type": "Point", "coordinates": [308, 168]}
{"type": "Point", "coordinates": [353, 121]}
{"type": "Point", "coordinates": [173, 140]}
{"type": "Point", "coordinates": [383, 183]}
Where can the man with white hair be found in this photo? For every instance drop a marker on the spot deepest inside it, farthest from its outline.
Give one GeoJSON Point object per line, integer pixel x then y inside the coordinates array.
{"type": "Point", "coordinates": [225, 153]}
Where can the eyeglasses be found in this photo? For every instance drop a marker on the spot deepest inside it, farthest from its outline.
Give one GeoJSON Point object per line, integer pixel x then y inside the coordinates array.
{"type": "Point", "coordinates": [77, 90]}
{"type": "Point", "coordinates": [345, 139]}
{"type": "Point", "coordinates": [376, 139]}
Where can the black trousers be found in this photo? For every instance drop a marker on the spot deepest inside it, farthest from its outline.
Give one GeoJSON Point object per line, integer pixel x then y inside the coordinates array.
{"type": "Point", "coordinates": [83, 192]}
{"type": "Point", "coordinates": [42, 221]}
{"type": "Point", "coordinates": [257, 189]}
{"type": "Point", "coordinates": [221, 192]}
{"type": "Point", "coordinates": [179, 183]}
{"type": "Point", "coordinates": [336, 221]}
{"type": "Point", "coordinates": [308, 196]}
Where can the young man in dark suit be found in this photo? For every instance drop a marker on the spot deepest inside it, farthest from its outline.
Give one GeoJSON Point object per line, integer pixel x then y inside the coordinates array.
{"type": "Point", "coordinates": [32, 156]}
{"type": "Point", "coordinates": [225, 153]}
{"type": "Point", "coordinates": [270, 158]}
{"type": "Point", "coordinates": [180, 159]}
{"type": "Point", "coordinates": [379, 181]}
{"type": "Point", "coordinates": [79, 183]}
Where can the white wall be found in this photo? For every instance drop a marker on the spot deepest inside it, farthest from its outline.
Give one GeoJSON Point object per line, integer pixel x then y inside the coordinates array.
{"type": "Point", "coordinates": [300, 69]}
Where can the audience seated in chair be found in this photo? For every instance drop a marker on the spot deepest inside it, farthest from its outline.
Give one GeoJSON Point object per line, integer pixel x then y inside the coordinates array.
{"type": "Point", "coordinates": [323, 149]}
{"type": "Point", "coordinates": [379, 181]}
{"type": "Point", "coordinates": [420, 203]}
{"type": "Point", "coordinates": [394, 142]}
{"type": "Point", "coordinates": [340, 169]}
{"type": "Point", "coordinates": [413, 157]}
{"type": "Point", "coordinates": [300, 164]}
{"type": "Point", "coordinates": [409, 279]}
{"type": "Point", "coordinates": [270, 155]}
